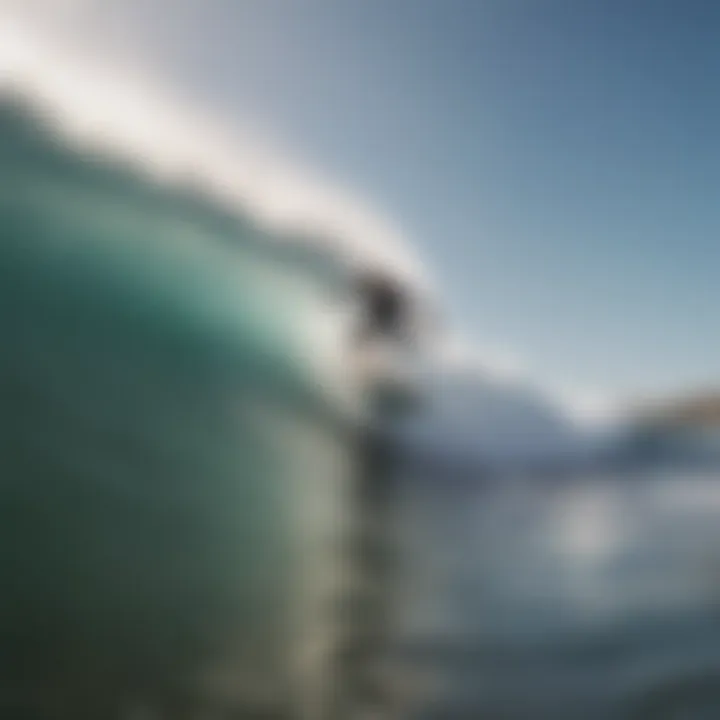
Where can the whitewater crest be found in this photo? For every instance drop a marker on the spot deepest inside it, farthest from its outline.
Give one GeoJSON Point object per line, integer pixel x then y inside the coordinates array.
{"type": "Point", "coordinates": [127, 117]}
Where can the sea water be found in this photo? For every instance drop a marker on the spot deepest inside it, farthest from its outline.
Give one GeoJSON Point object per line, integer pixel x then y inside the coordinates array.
{"type": "Point", "coordinates": [177, 426]}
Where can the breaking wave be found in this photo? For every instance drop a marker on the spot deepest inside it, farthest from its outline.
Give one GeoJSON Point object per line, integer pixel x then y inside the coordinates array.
{"type": "Point", "coordinates": [125, 116]}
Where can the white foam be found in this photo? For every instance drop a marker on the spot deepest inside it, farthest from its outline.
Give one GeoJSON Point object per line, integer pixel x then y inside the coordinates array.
{"type": "Point", "coordinates": [124, 111]}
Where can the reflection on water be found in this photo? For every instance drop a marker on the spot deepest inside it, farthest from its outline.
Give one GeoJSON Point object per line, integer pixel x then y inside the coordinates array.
{"type": "Point", "coordinates": [571, 597]}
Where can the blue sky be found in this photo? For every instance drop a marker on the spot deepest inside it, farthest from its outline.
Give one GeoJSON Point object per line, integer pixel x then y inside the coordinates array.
{"type": "Point", "coordinates": [556, 162]}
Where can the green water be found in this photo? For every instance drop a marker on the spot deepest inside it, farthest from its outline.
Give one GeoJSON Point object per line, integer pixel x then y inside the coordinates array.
{"type": "Point", "coordinates": [172, 461]}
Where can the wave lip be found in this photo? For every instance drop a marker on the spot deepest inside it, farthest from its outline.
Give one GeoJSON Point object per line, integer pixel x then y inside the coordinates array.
{"type": "Point", "coordinates": [132, 118]}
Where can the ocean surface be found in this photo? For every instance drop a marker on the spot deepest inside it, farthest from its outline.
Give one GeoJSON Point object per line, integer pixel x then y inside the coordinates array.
{"type": "Point", "coordinates": [583, 596]}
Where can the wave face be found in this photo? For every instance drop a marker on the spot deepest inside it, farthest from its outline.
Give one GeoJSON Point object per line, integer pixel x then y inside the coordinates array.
{"type": "Point", "coordinates": [90, 216]}
{"type": "Point", "coordinates": [171, 466]}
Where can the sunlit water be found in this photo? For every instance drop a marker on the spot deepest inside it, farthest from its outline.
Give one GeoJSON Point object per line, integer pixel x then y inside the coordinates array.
{"type": "Point", "coordinates": [575, 597]}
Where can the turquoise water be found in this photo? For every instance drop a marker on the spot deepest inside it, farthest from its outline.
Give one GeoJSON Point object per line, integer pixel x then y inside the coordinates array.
{"type": "Point", "coordinates": [174, 438]}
